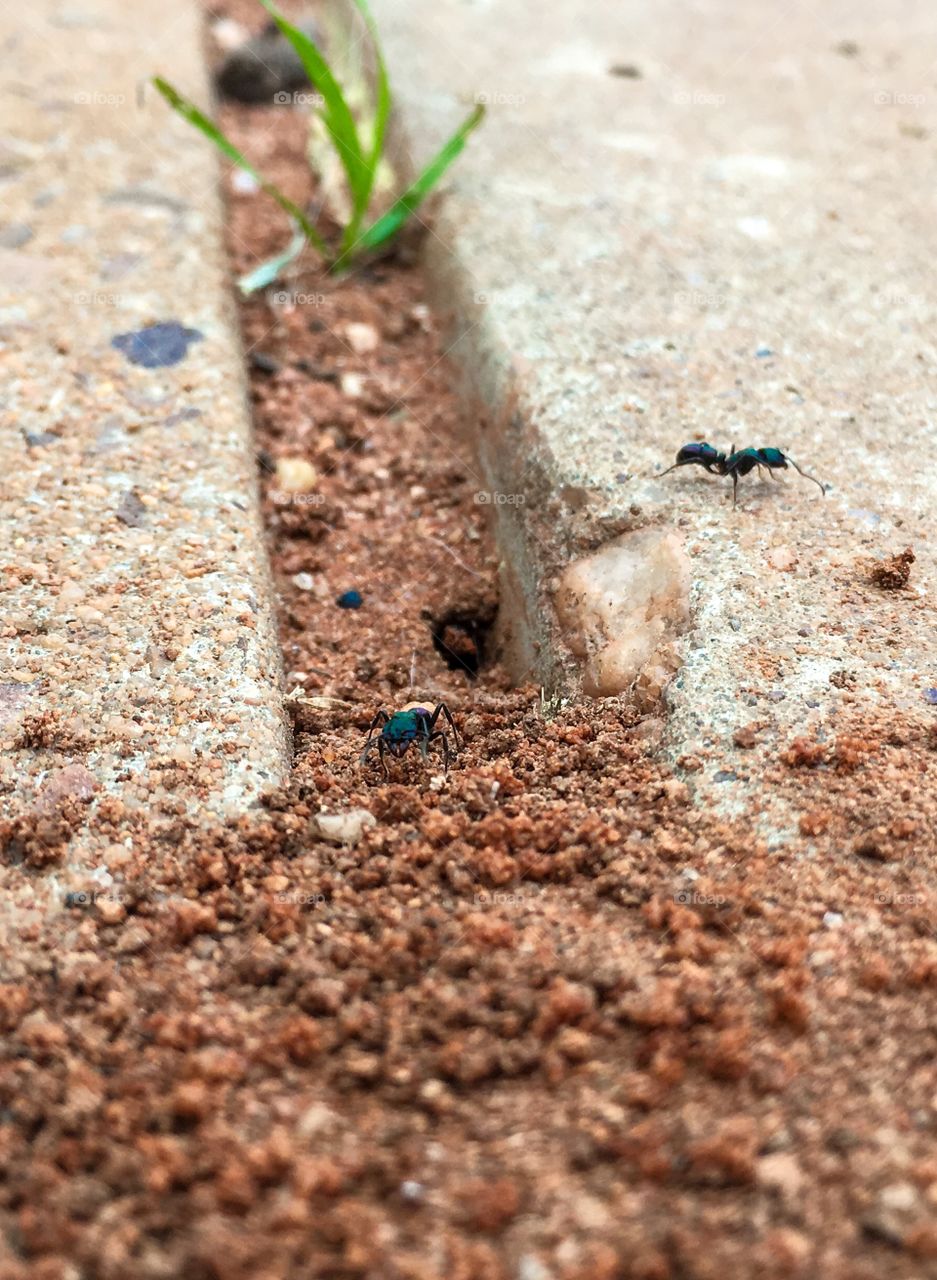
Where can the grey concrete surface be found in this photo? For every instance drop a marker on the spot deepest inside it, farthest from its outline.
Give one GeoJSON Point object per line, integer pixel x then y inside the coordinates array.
{"type": "Point", "coordinates": [139, 648]}
{"type": "Point", "coordinates": [695, 221]}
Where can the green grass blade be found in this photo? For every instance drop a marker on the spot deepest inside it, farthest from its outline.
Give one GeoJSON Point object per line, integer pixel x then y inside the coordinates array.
{"type": "Point", "coordinates": [191, 113]}
{"type": "Point", "coordinates": [383, 102]}
{"type": "Point", "coordinates": [382, 107]}
{"type": "Point", "coordinates": [268, 271]}
{"type": "Point", "coordinates": [391, 222]}
{"type": "Point", "coordinates": [337, 114]}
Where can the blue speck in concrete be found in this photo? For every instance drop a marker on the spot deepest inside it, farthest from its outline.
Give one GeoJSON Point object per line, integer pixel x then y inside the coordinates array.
{"type": "Point", "coordinates": [930, 695]}
{"type": "Point", "coordinates": [350, 600]}
{"type": "Point", "coordinates": [157, 345]}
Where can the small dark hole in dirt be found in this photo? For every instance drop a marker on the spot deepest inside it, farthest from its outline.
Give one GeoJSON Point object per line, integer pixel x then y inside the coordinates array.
{"type": "Point", "coordinates": [461, 636]}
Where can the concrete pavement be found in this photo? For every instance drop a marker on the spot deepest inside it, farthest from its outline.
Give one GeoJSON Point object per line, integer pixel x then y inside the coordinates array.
{"type": "Point", "coordinates": [139, 650]}
{"type": "Point", "coordinates": [677, 223]}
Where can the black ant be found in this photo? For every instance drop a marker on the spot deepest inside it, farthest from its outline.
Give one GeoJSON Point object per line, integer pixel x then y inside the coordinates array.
{"type": "Point", "coordinates": [737, 464]}
{"type": "Point", "coordinates": [403, 729]}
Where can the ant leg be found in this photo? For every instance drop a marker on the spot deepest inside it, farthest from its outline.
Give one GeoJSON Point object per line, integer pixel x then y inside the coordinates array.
{"type": "Point", "coordinates": [807, 475]}
{"type": "Point", "coordinates": [442, 709]}
{"type": "Point", "coordinates": [444, 737]}
{"type": "Point", "coordinates": [379, 720]}
{"type": "Point", "coordinates": [735, 488]}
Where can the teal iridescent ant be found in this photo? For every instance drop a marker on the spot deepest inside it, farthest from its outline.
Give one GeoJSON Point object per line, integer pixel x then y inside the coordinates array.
{"type": "Point", "coordinates": [736, 464]}
{"type": "Point", "coordinates": [399, 731]}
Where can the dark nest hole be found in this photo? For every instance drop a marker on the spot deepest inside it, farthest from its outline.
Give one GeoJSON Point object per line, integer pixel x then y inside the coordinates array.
{"type": "Point", "coordinates": [462, 635]}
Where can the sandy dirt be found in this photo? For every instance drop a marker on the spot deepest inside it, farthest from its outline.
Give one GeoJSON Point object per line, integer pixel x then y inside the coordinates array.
{"type": "Point", "coordinates": [544, 1020]}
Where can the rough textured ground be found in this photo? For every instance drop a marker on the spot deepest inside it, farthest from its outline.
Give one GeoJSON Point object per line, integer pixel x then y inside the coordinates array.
{"type": "Point", "coordinates": [546, 1019]}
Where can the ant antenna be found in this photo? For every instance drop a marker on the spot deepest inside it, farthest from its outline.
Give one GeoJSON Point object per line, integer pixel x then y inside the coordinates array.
{"type": "Point", "coordinates": [807, 475]}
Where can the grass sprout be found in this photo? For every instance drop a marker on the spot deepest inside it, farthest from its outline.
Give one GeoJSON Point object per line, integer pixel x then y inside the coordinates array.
{"type": "Point", "coordinates": [360, 151]}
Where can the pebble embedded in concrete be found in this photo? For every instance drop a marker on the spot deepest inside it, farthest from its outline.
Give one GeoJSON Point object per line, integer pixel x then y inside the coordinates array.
{"type": "Point", "coordinates": [622, 607]}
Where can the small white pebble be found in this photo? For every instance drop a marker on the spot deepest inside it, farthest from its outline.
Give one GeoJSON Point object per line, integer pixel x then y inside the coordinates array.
{"type": "Point", "coordinates": [832, 919]}
{"type": "Point", "coordinates": [362, 338]}
{"type": "Point", "coordinates": [296, 475]}
{"type": "Point", "coordinates": [420, 313]}
{"type": "Point", "coordinates": [413, 1191]}
{"type": "Point", "coordinates": [531, 1268]}
{"type": "Point", "coordinates": [229, 34]}
{"type": "Point", "coordinates": [304, 581]}
{"type": "Point", "coordinates": [344, 828]}
{"type": "Point", "coordinates": [900, 1195]}
{"type": "Point", "coordinates": [244, 183]}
